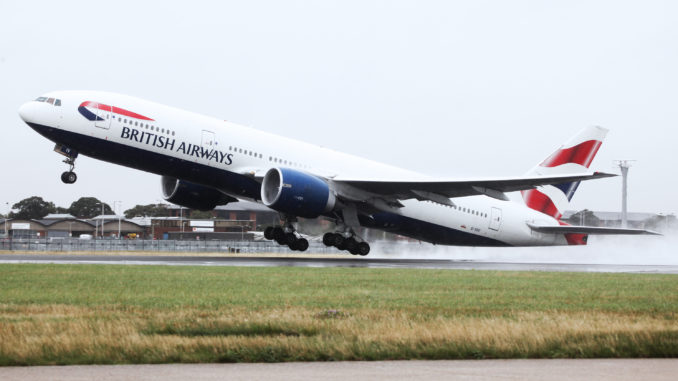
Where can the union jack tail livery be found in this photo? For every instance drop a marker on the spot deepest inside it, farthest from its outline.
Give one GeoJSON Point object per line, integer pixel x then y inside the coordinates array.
{"type": "Point", "coordinates": [574, 156]}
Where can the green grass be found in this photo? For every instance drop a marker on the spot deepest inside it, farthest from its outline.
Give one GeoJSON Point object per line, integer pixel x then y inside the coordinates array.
{"type": "Point", "coordinates": [74, 314]}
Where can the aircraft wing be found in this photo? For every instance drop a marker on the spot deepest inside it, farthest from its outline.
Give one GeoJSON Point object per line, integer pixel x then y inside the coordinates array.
{"type": "Point", "coordinates": [437, 189]}
{"type": "Point", "coordinates": [568, 229]}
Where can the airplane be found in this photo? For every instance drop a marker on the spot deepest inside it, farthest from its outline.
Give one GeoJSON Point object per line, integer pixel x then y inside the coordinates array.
{"type": "Point", "coordinates": [205, 162]}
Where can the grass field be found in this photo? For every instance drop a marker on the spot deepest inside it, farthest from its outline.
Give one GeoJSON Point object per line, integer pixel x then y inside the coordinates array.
{"type": "Point", "coordinates": [102, 314]}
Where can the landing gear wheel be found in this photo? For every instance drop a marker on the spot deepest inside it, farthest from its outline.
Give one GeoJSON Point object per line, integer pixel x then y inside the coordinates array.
{"type": "Point", "coordinates": [351, 245]}
{"type": "Point", "coordinates": [279, 235]}
{"type": "Point", "coordinates": [69, 177]}
{"type": "Point", "coordinates": [268, 233]}
{"type": "Point", "coordinates": [290, 238]}
{"type": "Point", "coordinates": [363, 248]}
{"type": "Point", "coordinates": [328, 239]}
{"type": "Point", "coordinates": [302, 244]}
{"type": "Point", "coordinates": [339, 242]}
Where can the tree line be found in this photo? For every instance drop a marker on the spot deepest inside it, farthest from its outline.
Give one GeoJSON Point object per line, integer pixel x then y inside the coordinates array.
{"type": "Point", "coordinates": [35, 208]}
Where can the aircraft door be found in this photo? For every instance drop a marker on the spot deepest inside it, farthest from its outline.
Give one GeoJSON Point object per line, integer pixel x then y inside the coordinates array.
{"type": "Point", "coordinates": [103, 119]}
{"type": "Point", "coordinates": [495, 219]}
{"type": "Point", "coordinates": [208, 144]}
{"type": "Point", "coordinates": [208, 139]}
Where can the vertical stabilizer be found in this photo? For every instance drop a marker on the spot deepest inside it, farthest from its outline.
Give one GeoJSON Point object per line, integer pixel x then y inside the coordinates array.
{"type": "Point", "coordinates": [573, 157]}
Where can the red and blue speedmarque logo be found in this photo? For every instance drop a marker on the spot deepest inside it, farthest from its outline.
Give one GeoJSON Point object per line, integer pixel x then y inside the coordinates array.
{"type": "Point", "coordinates": [86, 107]}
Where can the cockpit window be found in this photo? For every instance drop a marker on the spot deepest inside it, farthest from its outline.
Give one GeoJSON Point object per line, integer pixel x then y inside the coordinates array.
{"type": "Point", "coordinates": [52, 101]}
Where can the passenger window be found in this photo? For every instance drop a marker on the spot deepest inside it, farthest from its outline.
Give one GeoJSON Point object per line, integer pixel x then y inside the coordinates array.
{"type": "Point", "coordinates": [57, 102]}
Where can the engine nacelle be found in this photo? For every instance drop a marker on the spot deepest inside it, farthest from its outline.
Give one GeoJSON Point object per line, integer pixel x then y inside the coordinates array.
{"type": "Point", "coordinates": [297, 193]}
{"type": "Point", "coordinates": [192, 195]}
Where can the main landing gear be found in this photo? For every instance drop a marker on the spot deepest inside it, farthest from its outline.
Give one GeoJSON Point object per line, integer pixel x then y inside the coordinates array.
{"type": "Point", "coordinates": [286, 236]}
{"type": "Point", "coordinates": [349, 244]}
{"type": "Point", "coordinates": [69, 177]}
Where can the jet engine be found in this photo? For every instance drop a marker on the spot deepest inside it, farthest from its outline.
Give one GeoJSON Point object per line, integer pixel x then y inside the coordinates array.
{"type": "Point", "coordinates": [192, 195]}
{"type": "Point", "coordinates": [296, 193]}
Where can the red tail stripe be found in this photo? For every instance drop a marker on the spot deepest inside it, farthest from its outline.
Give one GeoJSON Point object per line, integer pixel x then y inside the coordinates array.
{"type": "Point", "coordinates": [581, 154]}
{"type": "Point", "coordinates": [114, 109]}
{"type": "Point", "coordinates": [538, 201]}
{"type": "Point", "coordinates": [574, 238]}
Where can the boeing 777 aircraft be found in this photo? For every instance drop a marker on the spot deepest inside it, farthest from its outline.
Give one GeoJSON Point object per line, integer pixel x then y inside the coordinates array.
{"type": "Point", "coordinates": [205, 162]}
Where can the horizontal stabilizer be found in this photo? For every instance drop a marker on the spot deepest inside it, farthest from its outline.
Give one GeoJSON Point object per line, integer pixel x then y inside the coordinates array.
{"type": "Point", "coordinates": [593, 230]}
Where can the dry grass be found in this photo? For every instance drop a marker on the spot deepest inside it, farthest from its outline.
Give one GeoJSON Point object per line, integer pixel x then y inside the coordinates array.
{"type": "Point", "coordinates": [58, 334]}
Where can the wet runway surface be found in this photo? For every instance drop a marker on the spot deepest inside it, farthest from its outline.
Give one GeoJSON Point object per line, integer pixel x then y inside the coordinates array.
{"type": "Point", "coordinates": [319, 261]}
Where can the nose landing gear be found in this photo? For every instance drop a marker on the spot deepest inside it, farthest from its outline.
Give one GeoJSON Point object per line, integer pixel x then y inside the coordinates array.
{"type": "Point", "coordinates": [69, 177]}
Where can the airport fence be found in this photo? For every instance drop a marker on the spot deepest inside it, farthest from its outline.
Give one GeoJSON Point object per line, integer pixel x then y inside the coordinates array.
{"type": "Point", "coordinates": [68, 245]}
{"type": "Point", "coordinates": [179, 246]}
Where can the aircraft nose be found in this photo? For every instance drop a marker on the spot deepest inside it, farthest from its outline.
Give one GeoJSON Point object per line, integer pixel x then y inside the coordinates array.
{"type": "Point", "coordinates": [25, 111]}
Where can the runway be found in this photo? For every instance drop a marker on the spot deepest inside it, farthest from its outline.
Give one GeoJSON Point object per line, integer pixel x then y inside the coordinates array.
{"type": "Point", "coordinates": [264, 260]}
{"type": "Point", "coordinates": [598, 369]}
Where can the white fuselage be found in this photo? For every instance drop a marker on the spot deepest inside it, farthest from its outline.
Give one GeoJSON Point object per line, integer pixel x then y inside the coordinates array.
{"type": "Point", "coordinates": [177, 136]}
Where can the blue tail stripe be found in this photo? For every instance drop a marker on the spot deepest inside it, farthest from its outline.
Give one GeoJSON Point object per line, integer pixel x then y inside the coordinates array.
{"type": "Point", "coordinates": [568, 188]}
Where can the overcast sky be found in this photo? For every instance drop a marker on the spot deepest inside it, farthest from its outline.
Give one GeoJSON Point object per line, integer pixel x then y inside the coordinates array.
{"type": "Point", "coordinates": [472, 88]}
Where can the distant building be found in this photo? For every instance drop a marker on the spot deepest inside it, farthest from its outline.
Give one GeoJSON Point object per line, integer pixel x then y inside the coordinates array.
{"type": "Point", "coordinates": [240, 211]}
{"type": "Point", "coordinates": [229, 222]}
{"type": "Point", "coordinates": [65, 226]}
{"type": "Point", "coordinates": [637, 220]}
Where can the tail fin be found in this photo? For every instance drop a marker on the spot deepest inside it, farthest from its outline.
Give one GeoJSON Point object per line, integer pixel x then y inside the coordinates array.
{"type": "Point", "coordinates": [573, 157]}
